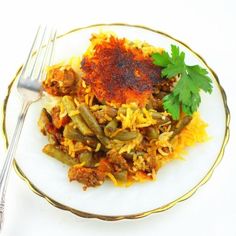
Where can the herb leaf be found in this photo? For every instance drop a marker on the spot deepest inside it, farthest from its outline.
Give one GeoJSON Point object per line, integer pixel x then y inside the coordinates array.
{"type": "Point", "coordinates": [192, 79]}
{"type": "Point", "coordinates": [171, 104]}
{"type": "Point", "coordinates": [200, 78]}
{"type": "Point", "coordinates": [162, 59]}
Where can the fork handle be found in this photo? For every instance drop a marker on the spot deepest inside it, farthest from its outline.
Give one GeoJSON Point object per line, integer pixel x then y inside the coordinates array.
{"type": "Point", "coordinates": [9, 158]}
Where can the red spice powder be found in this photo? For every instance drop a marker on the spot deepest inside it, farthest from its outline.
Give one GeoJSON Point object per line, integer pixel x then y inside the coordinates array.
{"type": "Point", "coordinates": [120, 74]}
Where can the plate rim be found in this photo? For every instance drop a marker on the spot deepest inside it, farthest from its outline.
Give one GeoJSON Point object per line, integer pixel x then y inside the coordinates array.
{"type": "Point", "coordinates": [165, 207]}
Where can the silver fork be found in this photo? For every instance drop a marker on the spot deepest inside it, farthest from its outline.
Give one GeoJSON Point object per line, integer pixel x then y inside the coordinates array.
{"type": "Point", "coordinates": [29, 87]}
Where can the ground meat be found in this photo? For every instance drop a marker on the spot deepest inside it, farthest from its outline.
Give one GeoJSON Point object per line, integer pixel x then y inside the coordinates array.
{"type": "Point", "coordinates": [156, 103]}
{"type": "Point", "coordinates": [54, 135]}
{"type": "Point", "coordinates": [151, 163]}
{"type": "Point", "coordinates": [100, 116]}
{"type": "Point", "coordinates": [106, 111]}
{"type": "Point", "coordinates": [60, 81]}
{"type": "Point", "coordinates": [104, 166]}
{"type": "Point", "coordinates": [90, 177]}
{"type": "Point", "coordinates": [57, 121]}
{"type": "Point", "coordinates": [160, 91]}
{"type": "Point", "coordinates": [166, 85]}
{"type": "Point", "coordinates": [117, 162]}
{"type": "Point", "coordinates": [110, 111]}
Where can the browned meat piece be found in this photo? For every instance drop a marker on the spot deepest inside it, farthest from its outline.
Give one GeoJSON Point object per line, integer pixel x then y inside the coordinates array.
{"type": "Point", "coordinates": [60, 81]}
{"type": "Point", "coordinates": [160, 95]}
{"type": "Point", "coordinates": [90, 177]}
{"type": "Point", "coordinates": [44, 120]}
{"type": "Point", "coordinates": [181, 125]}
{"type": "Point", "coordinates": [106, 111]}
{"type": "Point", "coordinates": [117, 162]}
{"type": "Point", "coordinates": [156, 103]}
{"type": "Point", "coordinates": [100, 116]}
{"type": "Point", "coordinates": [104, 166]}
{"type": "Point", "coordinates": [110, 111]}
{"type": "Point", "coordinates": [152, 163]}
{"type": "Point", "coordinates": [53, 134]}
{"type": "Point", "coordinates": [48, 128]}
{"type": "Point", "coordinates": [56, 120]}
{"type": "Point", "coordinates": [165, 86]}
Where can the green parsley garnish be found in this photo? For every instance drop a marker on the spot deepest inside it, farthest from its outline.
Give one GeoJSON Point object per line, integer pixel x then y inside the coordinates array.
{"type": "Point", "coordinates": [192, 79]}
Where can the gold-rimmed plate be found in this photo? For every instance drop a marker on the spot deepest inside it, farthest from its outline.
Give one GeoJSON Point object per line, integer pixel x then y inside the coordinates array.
{"type": "Point", "coordinates": [176, 182]}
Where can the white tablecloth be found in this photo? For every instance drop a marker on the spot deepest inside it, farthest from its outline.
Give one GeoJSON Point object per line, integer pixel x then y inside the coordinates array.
{"type": "Point", "coordinates": [209, 28]}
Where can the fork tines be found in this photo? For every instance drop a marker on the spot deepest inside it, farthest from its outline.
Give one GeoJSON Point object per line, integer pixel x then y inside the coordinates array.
{"type": "Point", "coordinates": [40, 54]}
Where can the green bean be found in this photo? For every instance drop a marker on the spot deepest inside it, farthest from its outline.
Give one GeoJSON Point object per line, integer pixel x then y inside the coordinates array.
{"type": "Point", "coordinates": [152, 133]}
{"type": "Point", "coordinates": [80, 124]}
{"type": "Point", "coordinates": [91, 142]}
{"type": "Point", "coordinates": [160, 118]}
{"type": "Point", "coordinates": [122, 110]}
{"type": "Point", "coordinates": [182, 123]}
{"type": "Point", "coordinates": [104, 140]}
{"type": "Point", "coordinates": [110, 127]}
{"type": "Point", "coordinates": [111, 111]}
{"type": "Point", "coordinates": [74, 134]}
{"type": "Point", "coordinates": [149, 106]}
{"type": "Point", "coordinates": [71, 133]}
{"type": "Point", "coordinates": [90, 119]}
{"type": "Point", "coordinates": [93, 124]}
{"type": "Point", "coordinates": [77, 119]}
{"type": "Point", "coordinates": [51, 139]}
{"type": "Point", "coordinates": [58, 154]}
{"type": "Point", "coordinates": [157, 115]}
{"type": "Point", "coordinates": [44, 120]}
{"type": "Point", "coordinates": [87, 158]}
{"type": "Point", "coordinates": [68, 103]}
{"type": "Point", "coordinates": [121, 176]}
{"type": "Point", "coordinates": [126, 135]}
{"type": "Point", "coordinates": [129, 156]}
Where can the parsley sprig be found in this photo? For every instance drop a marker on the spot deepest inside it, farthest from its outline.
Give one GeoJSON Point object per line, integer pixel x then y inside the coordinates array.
{"type": "Point", "coordinates": [192, 79]}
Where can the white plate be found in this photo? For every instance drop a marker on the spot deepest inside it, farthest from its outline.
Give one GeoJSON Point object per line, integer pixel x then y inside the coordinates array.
{"type": "Point", "coordinates": [176, 181]}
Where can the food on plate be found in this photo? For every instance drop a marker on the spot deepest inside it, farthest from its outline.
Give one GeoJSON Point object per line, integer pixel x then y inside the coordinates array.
{"type": "Point", "coordinates": [122, 110]}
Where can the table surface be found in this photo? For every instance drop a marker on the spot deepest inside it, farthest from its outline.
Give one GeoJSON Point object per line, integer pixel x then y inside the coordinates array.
{"type": "Point", "coordinates": [206, 26]}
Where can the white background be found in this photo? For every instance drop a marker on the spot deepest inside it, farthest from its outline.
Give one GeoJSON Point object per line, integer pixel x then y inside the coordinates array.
{"type": "Point", "coordinates": [209, 27]}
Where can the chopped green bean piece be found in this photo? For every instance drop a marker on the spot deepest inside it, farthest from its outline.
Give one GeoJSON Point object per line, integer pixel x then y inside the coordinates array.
{"type": "Point", "coordinates": [93, 124]}
{"type": "Point", "coordinates": [129, 156]}
{"type": "Point", "coordinates": [182, 123]}
{"type": "Point", "coordinates": [152, 133]}
{"type": "Point", "coordinates": [111, 111]}
{"type": "Point", "coordinates": [103, 139]}
{"type": "Point", "coordinates": [87, 159]}
{"type": "Point", "coordinates": [77, 119]}
{"type": "Point", "coordinates": [121, 176]}
{"type": "Point", "coordinates": [161, 119]}
{"type": "Point", "coordinates": [110, 127]}
{"type": "Point", "coordinates": [80, 124]}
{"type": "Point", "coordinates": [126, 135]}
{"type": "Point", "coordinates": [44, 120]}
{"type": "Point", "coordinates": [72, 133]}
{"type": "Point", "coordinates": [58, 154]}
{"type": "Point", "coordinates": [90, 119]}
